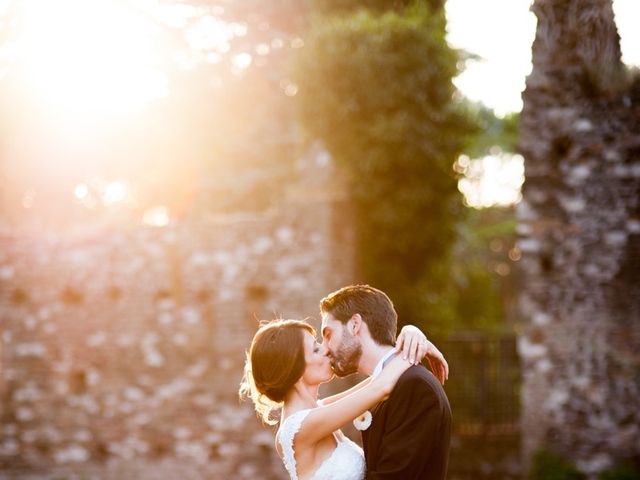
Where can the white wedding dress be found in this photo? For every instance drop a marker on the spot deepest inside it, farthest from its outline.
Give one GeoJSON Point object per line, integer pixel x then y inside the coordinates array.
{"type": "Point", "coordinates": [346, 462]}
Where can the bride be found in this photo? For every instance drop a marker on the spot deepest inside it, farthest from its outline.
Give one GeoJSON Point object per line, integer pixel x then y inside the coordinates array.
{"type": "Point", "coordinates": [284, 368]}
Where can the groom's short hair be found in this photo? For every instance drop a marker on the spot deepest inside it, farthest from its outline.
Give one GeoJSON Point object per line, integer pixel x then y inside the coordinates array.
{"type": "Point", "coordinates": [373, 305]}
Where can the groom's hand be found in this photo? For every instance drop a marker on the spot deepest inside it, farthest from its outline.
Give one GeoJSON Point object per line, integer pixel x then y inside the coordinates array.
{"type": "Point", "coordinates": [414, 346]}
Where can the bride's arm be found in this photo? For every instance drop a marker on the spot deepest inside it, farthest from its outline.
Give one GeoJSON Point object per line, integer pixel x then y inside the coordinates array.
{"type": "Point", "coordinates": [322, 421]}
{"type": "Point", "coordinates": [333, 398]}
{"type": "Point", "coordinates": [415, 346]}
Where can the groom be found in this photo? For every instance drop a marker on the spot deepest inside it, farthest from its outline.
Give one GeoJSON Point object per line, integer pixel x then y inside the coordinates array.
{"type": "Point", "coordinates": [410, 431]}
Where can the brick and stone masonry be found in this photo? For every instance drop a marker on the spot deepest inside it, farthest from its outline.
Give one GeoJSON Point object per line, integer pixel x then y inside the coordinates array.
{"type": "Point", "coordinates": [123, 348]}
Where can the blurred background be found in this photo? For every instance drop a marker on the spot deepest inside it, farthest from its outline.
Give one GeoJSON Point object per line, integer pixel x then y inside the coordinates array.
{"type": "Point", "coordinates": [173, 171]}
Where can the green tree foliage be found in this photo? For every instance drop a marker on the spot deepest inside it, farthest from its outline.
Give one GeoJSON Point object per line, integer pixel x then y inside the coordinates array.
{"type": "Point", "coordinates": [483, 274]}
{"type": "Point", "coordinates": [624, 471]}
{"type": "Point", "coordinates": [376, 88]}
{"type": "Point", "coordinates": [332, 7]}
{"type": "Point", "coordinates": [478, 292]}
{"type": "Point", "coordinates": [495, 131]}
{"type": "Point", "coordinates": [549, 466]}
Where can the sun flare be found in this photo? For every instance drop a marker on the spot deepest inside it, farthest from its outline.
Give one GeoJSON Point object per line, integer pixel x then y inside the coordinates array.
{"type": "Point", "coordinates": [88, 56]}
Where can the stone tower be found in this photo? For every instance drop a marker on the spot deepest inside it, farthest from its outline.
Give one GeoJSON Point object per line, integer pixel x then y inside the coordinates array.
{"type": "Point", "coordinates": [579, 226]}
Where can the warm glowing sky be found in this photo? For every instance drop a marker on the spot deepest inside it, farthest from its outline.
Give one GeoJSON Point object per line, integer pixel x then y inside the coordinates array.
{"type": "Point", "coordinates": [501, 32]}
{"type": "Point", "coordinates": [81, 74]}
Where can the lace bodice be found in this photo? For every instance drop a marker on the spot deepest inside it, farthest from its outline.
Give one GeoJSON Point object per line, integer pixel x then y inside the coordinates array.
{"type": "Point", "coordinates": [346, 462]}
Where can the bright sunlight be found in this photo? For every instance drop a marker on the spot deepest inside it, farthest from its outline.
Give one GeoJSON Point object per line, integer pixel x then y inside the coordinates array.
{"type": "Point", "coordinates": [88, 57]}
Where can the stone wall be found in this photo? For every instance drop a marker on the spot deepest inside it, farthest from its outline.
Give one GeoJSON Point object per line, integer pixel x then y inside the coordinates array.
{"type": "Point", "coordinates": [580, 237]}
{"type": "Point", "coordinates": [123, 347]}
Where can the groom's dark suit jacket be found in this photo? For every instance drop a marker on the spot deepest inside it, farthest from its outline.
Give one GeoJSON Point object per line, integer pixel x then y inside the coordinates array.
{"type": "Point", "coordinates": [410, 432]}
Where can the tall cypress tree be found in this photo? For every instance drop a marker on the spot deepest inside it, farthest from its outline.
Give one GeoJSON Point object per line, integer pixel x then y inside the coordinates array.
{"type": "Point", "coordinates": [375, 86]}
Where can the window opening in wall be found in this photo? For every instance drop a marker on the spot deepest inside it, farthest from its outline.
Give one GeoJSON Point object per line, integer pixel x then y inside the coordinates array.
{"type": "Point", "coordinates": [20, 297]}
{"type": "Point", "coordinates": [71, 296]}
{"type": "Point", "coordinates": [257, 296]}
{"type": "Point", "coordinates": [114, 293]}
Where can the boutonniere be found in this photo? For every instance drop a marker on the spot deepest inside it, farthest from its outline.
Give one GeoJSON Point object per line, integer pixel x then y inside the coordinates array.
{"type": "Point", "coordinates": [363, 421]}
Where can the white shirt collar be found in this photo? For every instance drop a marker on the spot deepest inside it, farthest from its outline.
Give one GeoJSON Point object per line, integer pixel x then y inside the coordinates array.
{"type": "Point", "coordinates": [378, 369]}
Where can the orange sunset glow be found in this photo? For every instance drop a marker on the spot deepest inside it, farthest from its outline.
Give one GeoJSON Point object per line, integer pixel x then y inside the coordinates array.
{"type": "Point", "coordinates": [453, 183]}
{"type": "Point", "coordinates": [118, 105]}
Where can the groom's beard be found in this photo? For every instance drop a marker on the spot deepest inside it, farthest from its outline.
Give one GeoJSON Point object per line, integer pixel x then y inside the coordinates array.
{"type": "Point", "coordinates": [344, 361]}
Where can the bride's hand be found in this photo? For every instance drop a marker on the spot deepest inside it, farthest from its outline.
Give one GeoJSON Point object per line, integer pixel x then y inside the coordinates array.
{"type": "Point", "coordinates": [414, 346]}
{"type": "Point", "coordinates": [412, 343]}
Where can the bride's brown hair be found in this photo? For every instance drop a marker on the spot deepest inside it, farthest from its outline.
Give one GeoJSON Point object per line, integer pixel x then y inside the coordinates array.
{"type": "Point", "coordinates": [275, 362]}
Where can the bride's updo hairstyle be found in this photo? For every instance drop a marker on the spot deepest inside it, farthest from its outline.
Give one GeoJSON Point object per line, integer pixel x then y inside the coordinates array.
{"type": "Point", "coordinates": [275, 362]}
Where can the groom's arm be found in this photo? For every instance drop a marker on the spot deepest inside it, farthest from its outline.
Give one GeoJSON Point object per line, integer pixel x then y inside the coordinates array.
{"type": "Point", "coordinates": [413, 429]}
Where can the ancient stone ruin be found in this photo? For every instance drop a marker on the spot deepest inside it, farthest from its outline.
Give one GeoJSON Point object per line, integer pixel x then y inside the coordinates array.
{"type": "Point", "coordinates": [123, 348]}
{"type": "Point", "coordinates": [580, 236]}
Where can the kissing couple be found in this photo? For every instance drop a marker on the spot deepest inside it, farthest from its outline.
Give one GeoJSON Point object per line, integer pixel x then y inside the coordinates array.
{"type": "Point", "coordinates": [401, 408]}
